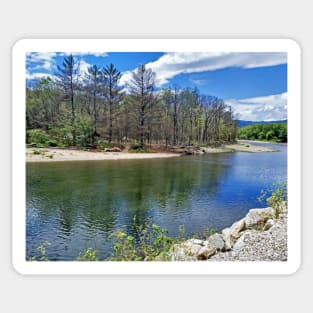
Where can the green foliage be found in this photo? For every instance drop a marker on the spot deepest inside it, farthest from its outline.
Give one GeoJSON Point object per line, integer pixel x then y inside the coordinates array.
{"type": "Point", "coordinates": [83, 129]}
{"type": "Point", "coordinates": [37, 136]}
{"type": "Point", "coordinates": [150, 241]}
{"type": "Point", "coordinates": [264, 132]}
{"type": "Point", "coordinates": [89, 255]}
{"type": "Point", "coordinates": [276, 197]}
{"type": "Point", "coordinates": [42, 249]}
{"type": "Point", "coordinates": [103, 144]}
{"type": "Point", "coordinates": [137, 148]}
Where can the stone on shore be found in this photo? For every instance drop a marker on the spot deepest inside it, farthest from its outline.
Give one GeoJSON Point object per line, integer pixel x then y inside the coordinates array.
{"type": "Point", "coordinates": [257, 217]}
{"type": "Point", "coordinates": [205, 252]}
{"type": "Point", "coordinates": [217, 241]}
{"type": "Point", "coordinates": [192, 250]}
{"type": "Point", "coordinates": [243, 241]}
{"type": "Point", "coordinates": [230, 235]}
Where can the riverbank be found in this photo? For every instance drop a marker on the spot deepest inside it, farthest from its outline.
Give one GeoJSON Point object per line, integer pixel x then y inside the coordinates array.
{"type": "Point", "coordinates": [51, 155]}
{"type": "Point", "coordinates": [240, 146]}
{"type": "Point", "coordinates": [35, 154]}
{"type": "Point", "coordinates": [259, 236]}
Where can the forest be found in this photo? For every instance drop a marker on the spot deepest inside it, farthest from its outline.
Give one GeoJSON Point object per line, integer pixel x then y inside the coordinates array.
{"type": "Point", "coordinates": [264, 132]}
{"type": "Point", "coordinates": [93, 109]}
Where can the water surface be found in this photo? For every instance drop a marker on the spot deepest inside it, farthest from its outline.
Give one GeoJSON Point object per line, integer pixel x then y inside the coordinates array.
{"type": "Point", "coordinates": [76, 205]}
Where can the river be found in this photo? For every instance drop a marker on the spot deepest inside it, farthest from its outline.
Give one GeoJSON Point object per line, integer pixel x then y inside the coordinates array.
{"type": "Point", "coordinates": [76, 205]}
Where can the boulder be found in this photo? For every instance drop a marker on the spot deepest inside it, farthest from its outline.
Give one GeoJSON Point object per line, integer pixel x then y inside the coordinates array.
{"type": "Point", "coordinates": [217, 241]}
{"type": "Point", "coordinates": [183, 252]}
{"type": "Point", "coordinates": [230, 235]}
{"type": "Point", "coordinates": [236, 228]}
{"type": "Point", "coordinates": [240, 243]}
{"type": "Point", "coordinates": [227, 239]}
{"type": "Point", "coordinates": [269, 223]}
{"type": "Point", "coordinates": [257, 217]}
{"type": "Point", "coordinates": [205, 252]}
{"type": "Point", "coordinates": [196, 242]}
{"type": "Point", "coordinates": [192, 250]}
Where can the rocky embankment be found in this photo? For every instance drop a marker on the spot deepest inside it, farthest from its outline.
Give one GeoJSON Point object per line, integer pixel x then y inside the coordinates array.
{"type": "Point", "coordinates": [256, 237]}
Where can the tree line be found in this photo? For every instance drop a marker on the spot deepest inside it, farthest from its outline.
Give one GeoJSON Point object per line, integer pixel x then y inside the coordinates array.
{"type": "Point", "coordinates": [87, 109]}
{"type": "Point", "coordinates": [264, 132]}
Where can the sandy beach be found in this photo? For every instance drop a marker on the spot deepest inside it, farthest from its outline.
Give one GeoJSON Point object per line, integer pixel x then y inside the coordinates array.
{"type": "Point", "coordinates": [56, 154]}
{"type": "Point", "coordinates": [50, 155]}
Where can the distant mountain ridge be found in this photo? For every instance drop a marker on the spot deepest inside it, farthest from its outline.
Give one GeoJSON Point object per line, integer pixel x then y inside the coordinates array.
{"type": "Point", "coordinates": [241, 123]}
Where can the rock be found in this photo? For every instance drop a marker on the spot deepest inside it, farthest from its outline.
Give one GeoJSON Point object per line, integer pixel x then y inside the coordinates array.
{"type": "Point", "coordinates": [205, 252]}
{"type": "Point", "coordinates": [217, 241]}
{"type": "Point", "coordinates": [236, 228]}
{"type": "Point", "coordinates": [230, 235]}
{"type": "Point", "coordinates": [185, 252]}
{"type": "Point", "coordinates": [226, 238]}
{"type": "Point", "coordinates": [239, 244]}
{"type": "Point", "coordinates": [256, 217]}
{"type": "Point", "coordinates": [269, 223]}
{"type": "Point", "coordinates": [196, 242]}
{"type": "Point", "coordinates": [114, 149]}
{"type": "Point", "coordinates": [192, 250]}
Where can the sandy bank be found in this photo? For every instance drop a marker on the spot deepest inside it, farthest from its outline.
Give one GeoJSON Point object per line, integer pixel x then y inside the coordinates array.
{"type": "Point", "coordinates": [51, 155]}
{"type": "Point", "coordinates": [239, 147]}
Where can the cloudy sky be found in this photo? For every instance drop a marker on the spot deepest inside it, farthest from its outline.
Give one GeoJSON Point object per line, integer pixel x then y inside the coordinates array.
{"type": "Point", "coordinates": [254, 84]}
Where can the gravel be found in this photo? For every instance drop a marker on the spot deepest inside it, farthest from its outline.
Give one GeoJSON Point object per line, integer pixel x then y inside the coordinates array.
{"type": "Point", "coordinates": [254, 245]}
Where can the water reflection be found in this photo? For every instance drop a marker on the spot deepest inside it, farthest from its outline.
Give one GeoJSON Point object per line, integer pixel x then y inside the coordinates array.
{"type": "Point", "coordinates": [77, 204]}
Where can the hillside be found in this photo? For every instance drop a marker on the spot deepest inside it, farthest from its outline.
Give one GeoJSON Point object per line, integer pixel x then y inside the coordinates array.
{"type": "Point", "coordinates": [242, 123]}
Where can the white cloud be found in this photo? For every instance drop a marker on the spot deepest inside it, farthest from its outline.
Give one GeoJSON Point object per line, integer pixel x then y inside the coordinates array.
{"type": "Point", "coordinates": [267, 108]}
{"type": "Point", "coordinates": [126, 76]}
{"type": "Point", "coordinates": [40, 60]}
{"type": "Point", "coordinates": [82, 54]}
{"type": "Point", "coordinates": [175, 63]}
{"type": "Point", "coordinates": [38, 76]}
{"type": "Point", "coordinates": [83, 67]}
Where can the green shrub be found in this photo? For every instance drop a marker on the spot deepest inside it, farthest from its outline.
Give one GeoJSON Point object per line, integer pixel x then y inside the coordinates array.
{"type": "Point", "coordinates": [89, 255]}
{"type": "Point", "coordinates": [276, 197]}
{"type": "Point", "coordinates": [37, 136]}
{"type": "Point", "coordinates": [52, 143]}
{"type": "Point", "coordinates": [150, 241]}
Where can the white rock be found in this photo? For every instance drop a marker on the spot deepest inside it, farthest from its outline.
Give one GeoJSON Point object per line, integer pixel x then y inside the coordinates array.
{"type": "Point", "coordinates": [257, 216]}
{"type": "Point", "coordinates": [196, 242]}
{"type": "Point", "coordinates": [217, 241]}
{"type": "Point", "coordinates": [205, 252]}
{"type": "Point", "coordinates": [236, 228]}
{"type": "Point", "coordinates": [226, 238]}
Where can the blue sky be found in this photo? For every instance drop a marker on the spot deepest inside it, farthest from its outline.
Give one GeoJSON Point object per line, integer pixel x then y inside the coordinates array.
{"type": "Point", "coordinates": [253, 84]}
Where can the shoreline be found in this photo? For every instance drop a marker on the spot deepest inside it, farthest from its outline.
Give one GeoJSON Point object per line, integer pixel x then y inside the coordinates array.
{"type": "Point", "coordinates": [63, 155]}
{"type": "Point", "coordinates": [259, 236]}
{"type": "Point", "coordinates": [35, 154]}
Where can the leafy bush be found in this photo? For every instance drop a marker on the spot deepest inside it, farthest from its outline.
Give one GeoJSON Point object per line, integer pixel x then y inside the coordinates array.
{"type": "Point", "coordinates": [276, 197]}
{"type": "Point", "coordinates": [42, 249]}
{"type": "Point", "coordinates": [150, 241]}
{"type": "Point", "coordinates": [37, 136]}
{"type": "Point", "coordinates": [89, 255]}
